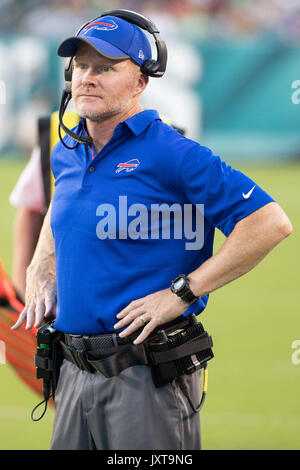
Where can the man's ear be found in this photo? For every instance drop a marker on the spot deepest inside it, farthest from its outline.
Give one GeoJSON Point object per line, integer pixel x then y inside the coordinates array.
{"type": "Point", "coordinates": [142, 82]}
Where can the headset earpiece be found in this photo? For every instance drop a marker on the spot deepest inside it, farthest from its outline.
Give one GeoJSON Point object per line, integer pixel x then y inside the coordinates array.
{"type": "Point", "coordinates": [157, 68]}
{"type": "Point", "coordinates": [68, 74]}
{"type": "Point", "coordinates": [148, 66]}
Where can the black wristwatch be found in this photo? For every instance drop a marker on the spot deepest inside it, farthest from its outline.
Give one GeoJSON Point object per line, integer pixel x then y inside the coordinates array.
{"type": "Point", "coordinates": [181, 287]}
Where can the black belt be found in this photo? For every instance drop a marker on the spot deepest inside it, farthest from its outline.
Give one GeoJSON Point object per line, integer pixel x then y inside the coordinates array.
{"type": "Point", "coordinates": [96, 342]}
{"type": "Point", "coordinates": [110, 354]}
{"type": "Point", "coordinates": [108, 361]}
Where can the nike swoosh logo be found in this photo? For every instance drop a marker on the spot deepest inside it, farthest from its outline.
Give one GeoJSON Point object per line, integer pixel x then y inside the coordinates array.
{"type": "Point", "coordinates": [246, 196]}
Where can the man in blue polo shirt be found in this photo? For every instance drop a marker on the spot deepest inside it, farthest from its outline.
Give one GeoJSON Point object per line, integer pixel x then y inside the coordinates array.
{"type": "Point", "coordinates": [131, 213]}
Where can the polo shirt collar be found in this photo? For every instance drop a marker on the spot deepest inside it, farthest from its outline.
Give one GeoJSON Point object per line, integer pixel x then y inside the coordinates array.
{"type": "Point", "coordinates": [139, 122]}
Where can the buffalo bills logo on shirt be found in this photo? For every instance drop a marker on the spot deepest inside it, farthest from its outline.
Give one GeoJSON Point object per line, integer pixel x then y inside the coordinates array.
{"type": "Point", "coordinates": [128, 166]}
{"type": "Point", "coordinates": [101, 25]}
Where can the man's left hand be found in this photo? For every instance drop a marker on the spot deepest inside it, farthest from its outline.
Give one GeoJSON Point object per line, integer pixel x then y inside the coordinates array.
{"type": "Point", "coordinates": [152, 310]}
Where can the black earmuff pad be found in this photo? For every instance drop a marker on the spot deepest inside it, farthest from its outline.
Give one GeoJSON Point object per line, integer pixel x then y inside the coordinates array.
{"type": "Point", "coordinates": [149, 67]}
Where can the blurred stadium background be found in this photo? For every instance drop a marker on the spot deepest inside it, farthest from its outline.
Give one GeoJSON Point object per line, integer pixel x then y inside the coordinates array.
{"type": "Point", "coordinates": [232, 83]}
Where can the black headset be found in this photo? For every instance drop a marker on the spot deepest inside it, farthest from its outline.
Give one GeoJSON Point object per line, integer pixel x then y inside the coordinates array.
{"type": "Point", "coordinates": [153, 68]}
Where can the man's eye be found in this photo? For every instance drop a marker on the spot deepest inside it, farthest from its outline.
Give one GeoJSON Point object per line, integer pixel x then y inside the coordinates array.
{"type": "Point", "coordinates": [81, 66]}
{"type": "Point", "coordinates": [105, 68]}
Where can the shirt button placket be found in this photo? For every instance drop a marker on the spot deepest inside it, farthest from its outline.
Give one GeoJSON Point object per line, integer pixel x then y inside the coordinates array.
{"type": "Point", "coordinates": [85, 181]}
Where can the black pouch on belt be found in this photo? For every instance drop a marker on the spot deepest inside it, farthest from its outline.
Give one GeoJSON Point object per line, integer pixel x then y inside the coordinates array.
{"type": "Point", "coordinates": [48, 358]}
{"type": "Point", "coordinates": [182, 351]}
{"type": "Point", "coordinates": [112, 361]}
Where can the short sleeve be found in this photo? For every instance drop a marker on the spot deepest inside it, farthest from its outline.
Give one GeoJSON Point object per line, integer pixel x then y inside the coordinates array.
{"type": "Point", "coordinates": [28, 191]}
{"type": "Point", "coordinates": [227, 194]}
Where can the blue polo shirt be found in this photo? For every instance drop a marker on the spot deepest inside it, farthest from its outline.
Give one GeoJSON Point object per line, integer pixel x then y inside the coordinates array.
{"type": "Point", "coordinates": [124, 219]}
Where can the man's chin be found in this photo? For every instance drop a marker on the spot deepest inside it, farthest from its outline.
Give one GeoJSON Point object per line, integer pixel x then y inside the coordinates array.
{"type": "Point", "coordinates": [98, 116]}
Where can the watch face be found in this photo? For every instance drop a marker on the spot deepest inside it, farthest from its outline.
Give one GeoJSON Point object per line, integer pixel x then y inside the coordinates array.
{"type": "Point", "coordinates": [179, 284]}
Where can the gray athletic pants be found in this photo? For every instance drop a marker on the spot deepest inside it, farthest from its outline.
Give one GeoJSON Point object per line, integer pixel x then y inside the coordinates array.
{"type": "Point", "coordinates": [125, 412]}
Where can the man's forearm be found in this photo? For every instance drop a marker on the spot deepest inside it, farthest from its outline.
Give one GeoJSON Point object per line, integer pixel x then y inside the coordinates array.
{"type": "Point", "coordinates": [250, 241]}
{"type": "Point", "coordinates": [41, 289]}
{"type": "Point", "coordinates": [45, 249]}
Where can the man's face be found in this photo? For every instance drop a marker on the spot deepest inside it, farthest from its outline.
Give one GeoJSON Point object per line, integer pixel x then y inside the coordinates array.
{"type": "Point", "coordinates": [102, 87]}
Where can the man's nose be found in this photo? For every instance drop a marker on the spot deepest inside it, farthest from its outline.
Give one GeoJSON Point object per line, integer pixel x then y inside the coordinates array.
{"type": "Point", "coordinates": [89, 78]}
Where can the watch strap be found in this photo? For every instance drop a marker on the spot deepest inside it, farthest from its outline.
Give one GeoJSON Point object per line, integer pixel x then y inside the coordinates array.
{"type": "Point", "coordinates": [188, 296]}
{"type": "Point", "coordinates": [185, 292]}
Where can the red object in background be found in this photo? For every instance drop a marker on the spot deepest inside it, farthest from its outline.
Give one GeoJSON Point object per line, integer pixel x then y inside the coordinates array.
{"type": "Point", "coordinates": [20, 345]}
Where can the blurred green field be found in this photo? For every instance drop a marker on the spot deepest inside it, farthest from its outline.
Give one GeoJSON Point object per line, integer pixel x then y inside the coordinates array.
{"type": "Point", "coordinates": [254, 388]}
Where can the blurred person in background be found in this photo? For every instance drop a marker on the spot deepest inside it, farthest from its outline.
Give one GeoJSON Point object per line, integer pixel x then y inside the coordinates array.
{"type": "Point", "coordinates": [28, 197]}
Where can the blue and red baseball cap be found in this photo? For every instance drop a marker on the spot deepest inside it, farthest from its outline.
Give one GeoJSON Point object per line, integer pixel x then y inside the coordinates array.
{"type": "Point", "coordinates": [112, 37]}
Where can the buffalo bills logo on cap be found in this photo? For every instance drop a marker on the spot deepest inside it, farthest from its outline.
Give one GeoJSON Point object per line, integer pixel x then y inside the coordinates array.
{"type": "Point", "coordinates": [128, 166]}
{"type": "Point", "coordinates": [108, 25]}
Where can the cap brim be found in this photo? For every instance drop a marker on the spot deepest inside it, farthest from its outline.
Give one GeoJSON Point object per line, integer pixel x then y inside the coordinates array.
{"type": "Point", "coordinates": [68, 48]}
